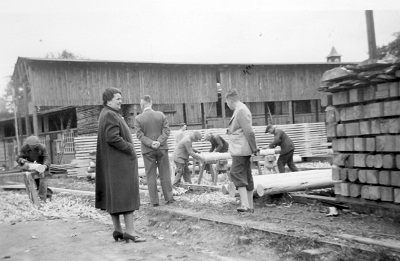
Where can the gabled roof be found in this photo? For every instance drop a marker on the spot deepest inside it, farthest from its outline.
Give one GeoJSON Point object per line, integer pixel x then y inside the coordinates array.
{"type": "Point", "coordinates": [333, 53]}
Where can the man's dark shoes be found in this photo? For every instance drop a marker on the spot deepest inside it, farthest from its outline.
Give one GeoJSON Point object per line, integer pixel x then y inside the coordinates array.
{"type": "Point", "coordinates": [244, 209]}
{"type": "Point", "coordinates": [170, 201]}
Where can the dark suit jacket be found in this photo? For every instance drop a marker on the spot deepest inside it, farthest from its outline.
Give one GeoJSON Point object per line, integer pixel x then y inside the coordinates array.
{"type": "Point", "coordinates": [283, 140]}
{"type": "Point", "coordinates": [152, 126]}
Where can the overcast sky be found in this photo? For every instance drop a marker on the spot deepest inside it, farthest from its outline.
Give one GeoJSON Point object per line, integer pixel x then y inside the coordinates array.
{"type": "Point", "coordinates": [185, 31]}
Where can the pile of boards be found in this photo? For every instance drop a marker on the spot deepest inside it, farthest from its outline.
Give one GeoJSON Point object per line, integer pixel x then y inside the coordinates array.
{"type": "Point", "coordinates": [364, 124]}
{"type": "Point", "coordinates": [310, 140]}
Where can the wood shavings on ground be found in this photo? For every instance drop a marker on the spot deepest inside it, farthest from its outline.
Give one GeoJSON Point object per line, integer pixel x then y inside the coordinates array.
{"type": "Point", "coordinates": [177, 191]}
{"type": "Point", "coordinates": [212, 198]}
{"type": "Point", "coordinates": [15, 206]}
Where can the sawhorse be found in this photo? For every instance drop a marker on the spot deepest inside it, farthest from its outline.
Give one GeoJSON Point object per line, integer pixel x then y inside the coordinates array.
{"type": "Point", "coordinates": [29, 183]}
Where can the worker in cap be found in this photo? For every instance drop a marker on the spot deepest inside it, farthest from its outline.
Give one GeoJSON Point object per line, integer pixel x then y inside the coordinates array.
{"type": "Point", "coordinates": [218, 144]}
{"type": "Point", "coordinates": [287, 148]}
{"type": "Point", "coordinates": [35, 152]}
{"type": "Point", "coordinates": [183, 150]}
{"type": "Point", "coordinates": [181, 133]}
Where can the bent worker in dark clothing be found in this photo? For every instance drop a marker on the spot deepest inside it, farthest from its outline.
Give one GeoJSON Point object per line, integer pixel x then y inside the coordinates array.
{"type": "Point", "coordinates": [34, 151]}
{"type": "Point", "coordinates": [218, 144]}
{"type": "Point", "coordinates": [287, 148]}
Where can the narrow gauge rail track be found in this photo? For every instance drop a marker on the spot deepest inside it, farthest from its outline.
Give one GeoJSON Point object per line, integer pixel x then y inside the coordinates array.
{"type": "Point", "coordinates": [261, 223]}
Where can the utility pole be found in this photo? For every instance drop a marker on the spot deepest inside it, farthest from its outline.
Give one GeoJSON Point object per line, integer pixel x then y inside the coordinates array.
{"type": "Point", "coordinates": [371, 34]}
{"type": "Point", "coordinates": [15, 118]}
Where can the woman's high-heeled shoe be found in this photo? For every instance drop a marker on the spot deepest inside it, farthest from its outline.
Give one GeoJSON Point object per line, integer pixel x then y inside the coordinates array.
{"type": "Point", "coordinates": [118, 235]}
{"type": "Point", "coordinates": [135, 239]}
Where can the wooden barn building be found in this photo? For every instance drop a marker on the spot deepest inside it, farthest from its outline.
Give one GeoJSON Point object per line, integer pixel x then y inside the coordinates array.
{"type": "Point", "coordinates": [64, 96]}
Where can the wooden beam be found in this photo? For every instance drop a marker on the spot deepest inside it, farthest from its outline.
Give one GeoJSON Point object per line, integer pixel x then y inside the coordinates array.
{"type": "Point", "coordinates": [223, 87]}
{"type": "Point", "coordinates": [184, 113]}
{"type": "Point", "coordinates": [203, 116]}
{"type": "Point", "coordinates": [26, 102]}
{"type": "Point", "coordinates": [291, 113]}
{"type": "Point", "coordinates": [266, 109]}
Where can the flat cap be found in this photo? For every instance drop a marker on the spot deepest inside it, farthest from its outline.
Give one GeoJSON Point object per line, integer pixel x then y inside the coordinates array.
{"type": "Point", "coordinates": [269, 126]}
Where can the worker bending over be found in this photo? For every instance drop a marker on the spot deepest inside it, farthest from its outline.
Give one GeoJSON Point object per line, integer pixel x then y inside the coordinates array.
{"type": "Point", "coordinates": [182, 152]}
{"type": "Point", "coordinates": [287, 148]}
{"type": "Point", "coordinates": [33, 151]}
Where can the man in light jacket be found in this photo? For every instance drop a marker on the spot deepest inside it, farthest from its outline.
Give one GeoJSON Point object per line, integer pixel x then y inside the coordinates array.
{"type": "Point", "coordinates": [242, 144]}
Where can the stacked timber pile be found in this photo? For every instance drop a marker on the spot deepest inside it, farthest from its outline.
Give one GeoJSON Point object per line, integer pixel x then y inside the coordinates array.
{"type": "Point", "coordinates": [88, 116]}
{"type": "Point", "coordinates": [81, 165]}
{"type": "Point", "coordinates": [364, 124]}
{"type": "Point", "coordinates": [57, 169]}
{"type": "Point", "coordinates": [310, 140]}
{"type": "Point", "coordinates": [91, 170]}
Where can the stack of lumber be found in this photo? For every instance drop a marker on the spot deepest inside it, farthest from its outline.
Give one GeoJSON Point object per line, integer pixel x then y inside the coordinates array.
{"type": "Point", "coordinates": [87, 116]}
{"type": "Point", "coordinates": [56, 169]}
{"type": "Point", "coordinates": [309, 138]}
{"type": "Point", "coordinates": [364, 123]}
{"type": "Point", "coordinates": [81, 165]}
{"type": "Point", "coordinates": [91, 170]}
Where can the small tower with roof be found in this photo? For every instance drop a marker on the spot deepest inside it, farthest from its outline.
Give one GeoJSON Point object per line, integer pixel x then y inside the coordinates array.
{"type": "Point", "coordinates": [333, 57]}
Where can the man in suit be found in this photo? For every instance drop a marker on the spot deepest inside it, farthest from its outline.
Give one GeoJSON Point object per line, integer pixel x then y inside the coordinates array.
{"type": "Point", "coordinates": [242, 144]}
{"type": "Point", "coordinates": [152, 129]}
{"type": "Point", "coordinates": [287, 148]}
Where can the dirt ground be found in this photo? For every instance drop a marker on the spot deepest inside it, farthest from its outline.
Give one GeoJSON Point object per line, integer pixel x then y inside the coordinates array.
{"type": "Point", "coordinates": [198, 226]}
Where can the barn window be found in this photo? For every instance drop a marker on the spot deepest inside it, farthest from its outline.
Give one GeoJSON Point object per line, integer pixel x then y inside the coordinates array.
{"type": "Point", "coordinates": [302, 106]}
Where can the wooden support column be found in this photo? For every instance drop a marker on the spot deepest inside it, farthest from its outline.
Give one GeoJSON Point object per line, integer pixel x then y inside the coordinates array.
{"type": "Point", "coordinates": [46, 127]}
{"type": "Point", "coordinates": [317, 105]}
{"type": "Point", "coordinates": [26, 107]}
{"type": "Point", "coordinates": [291, 112]}
{"type": "Point", "coordinates": [223, 87]}
{"type": "Point", "coordinates": [184, 113]}
{"type": "Point", "coordinates": [35, 121]}
{"type": "Point", "coordinates": [266, 112]}
{"type": "Point", "coordinates": [203, 117]}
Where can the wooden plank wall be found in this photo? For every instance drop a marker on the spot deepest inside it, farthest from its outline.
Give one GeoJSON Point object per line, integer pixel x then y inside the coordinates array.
{"type": "Point", "coordinates": [275, 82]}
{"type": "Point", "coordinates": [78, 83]}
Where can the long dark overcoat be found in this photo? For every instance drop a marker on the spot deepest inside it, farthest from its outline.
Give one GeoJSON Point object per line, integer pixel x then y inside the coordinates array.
{"type": "Point", "coordinates": [117, 179]}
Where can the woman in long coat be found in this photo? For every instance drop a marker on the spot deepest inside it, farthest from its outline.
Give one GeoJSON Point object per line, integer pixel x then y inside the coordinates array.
{"type": "Point", "coordinates": [117, 179]}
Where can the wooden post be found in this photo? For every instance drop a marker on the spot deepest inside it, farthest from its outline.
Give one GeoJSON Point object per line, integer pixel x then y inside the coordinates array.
{"type": "Point", "coordinates": [291, 112]}
{"type": "Point", "coordinates": [26, 102]}
{"type": "Point", "coordinates": [317, 105]}
{"type": "Point", "coordinates": [46, 127]}
{"type": "Point", "coordinates": [203, 117]}
{"type": "Point", "coordinates": [31, 188]}
{"type": "Point", "coordinates": [35, 121]}
{"type": "Point", "coordinates": [223, 85]}
{"type": "Point", "coordinates": [184, 113]}
{"type": "Point", "coordinates": [371, 34]}
{"type": "Point", "coordinates": [15, 101]}
{"type": "Point", "coordinates": [266, 113]}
